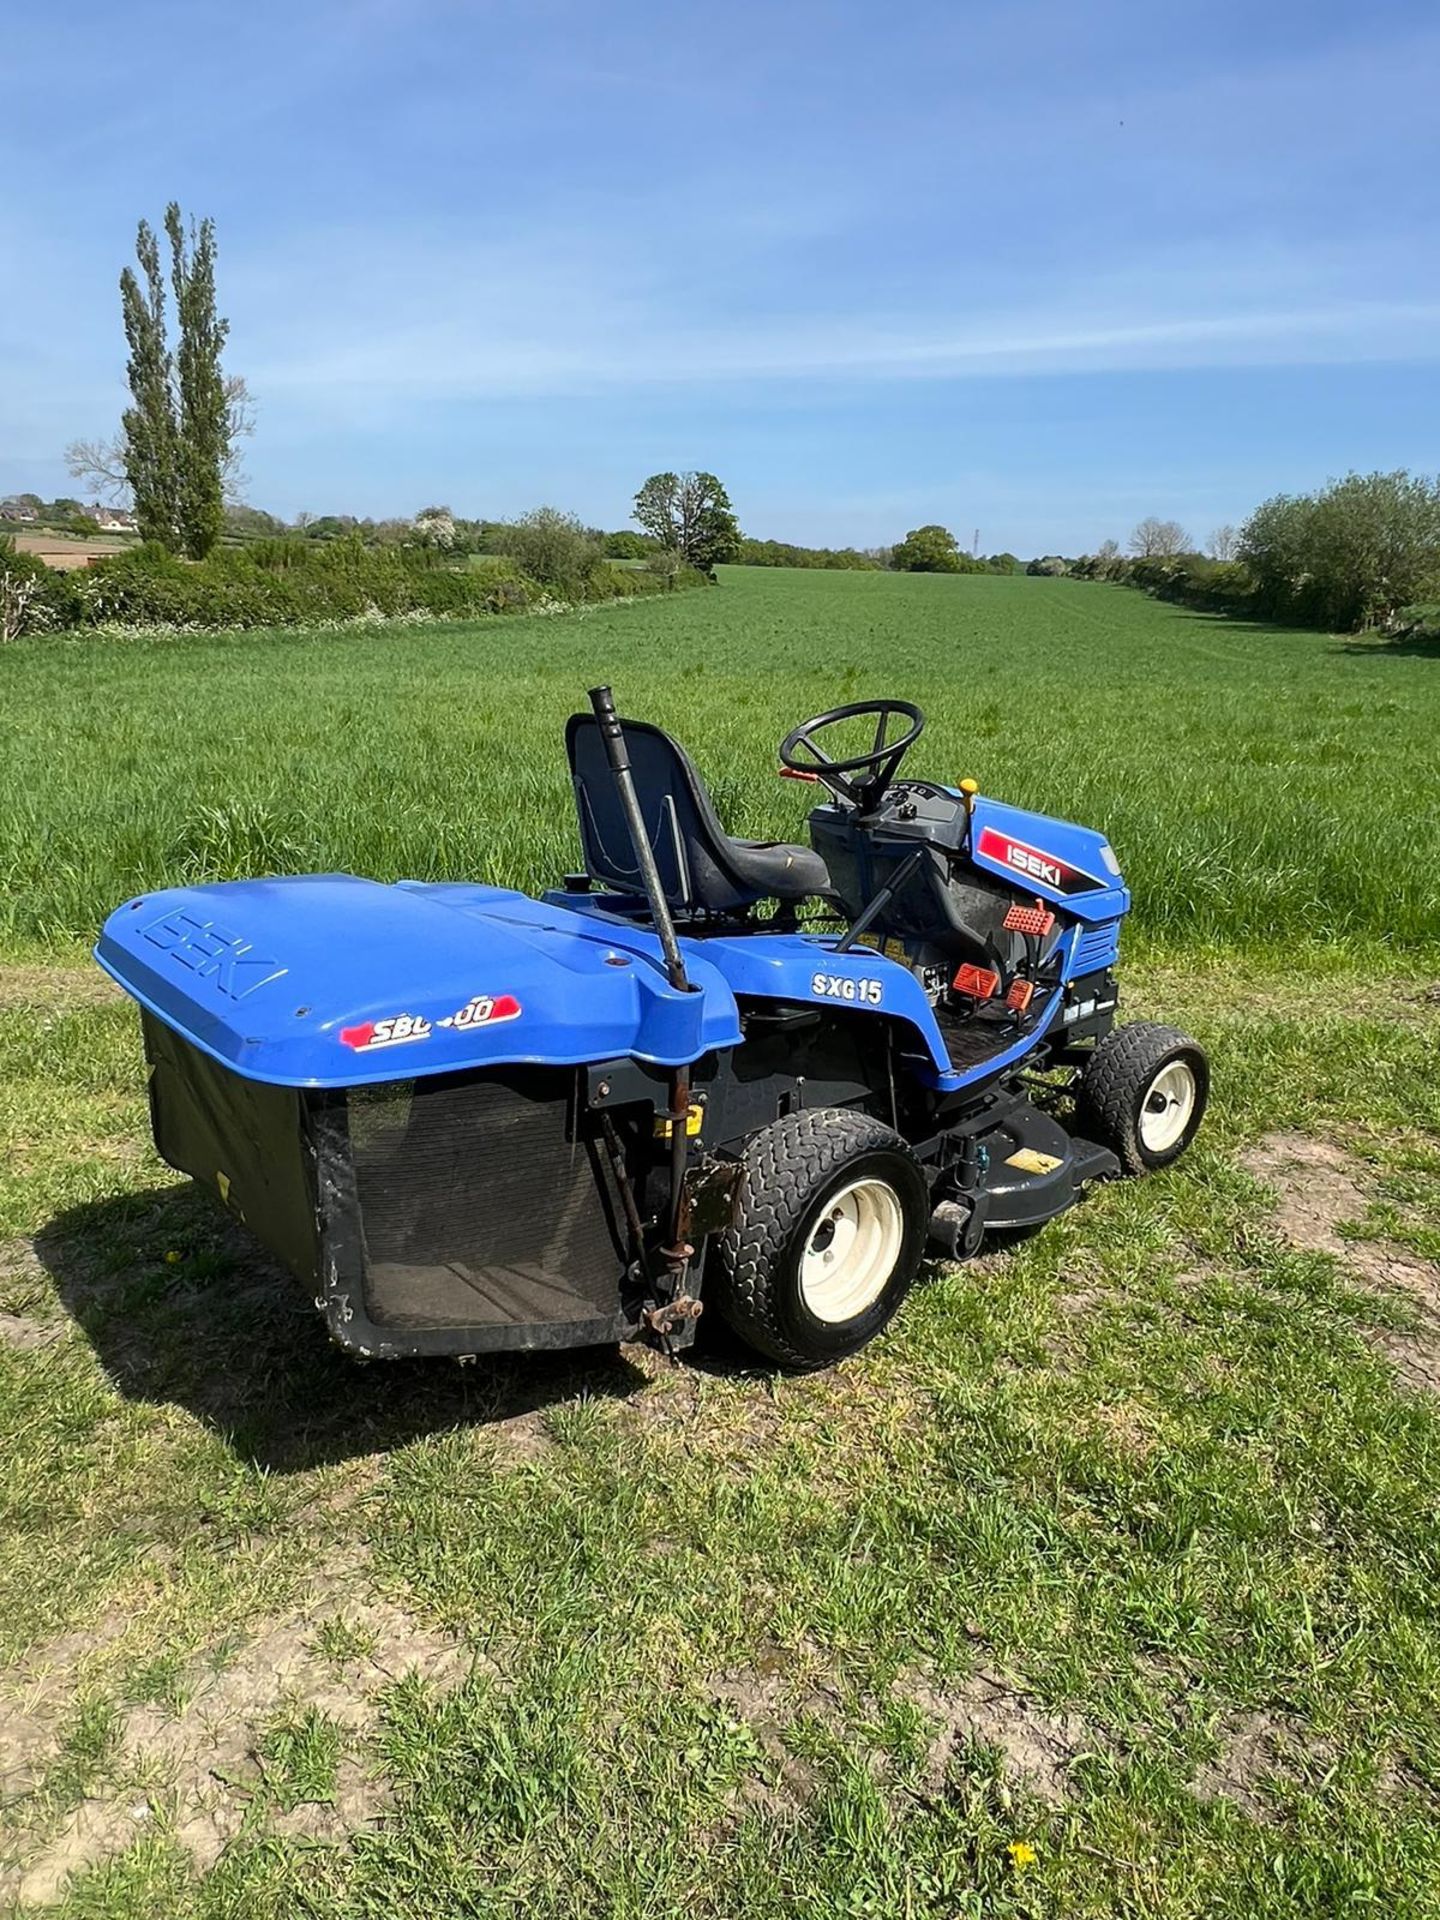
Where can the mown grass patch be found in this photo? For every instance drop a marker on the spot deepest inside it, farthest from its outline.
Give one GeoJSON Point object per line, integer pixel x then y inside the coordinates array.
{"type": "Point", "coordinates": [1120, 1548]}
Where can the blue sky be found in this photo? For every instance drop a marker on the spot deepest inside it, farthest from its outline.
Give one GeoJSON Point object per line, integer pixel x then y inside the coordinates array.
{"type": "Point", "coordinates": [1029, 267]}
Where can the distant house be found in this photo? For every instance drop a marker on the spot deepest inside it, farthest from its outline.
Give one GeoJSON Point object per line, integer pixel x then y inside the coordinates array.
{"type": "Point", "coordinates": [15, 510]}
{"type": "Point", "coordinates": [113, 519]}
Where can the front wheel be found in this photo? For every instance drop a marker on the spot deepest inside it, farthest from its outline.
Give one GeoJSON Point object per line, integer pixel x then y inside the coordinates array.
{"type": "Point", "coordinates": [1143, 1094]}
{"type": "Point", "coordinates": [830, 1224]}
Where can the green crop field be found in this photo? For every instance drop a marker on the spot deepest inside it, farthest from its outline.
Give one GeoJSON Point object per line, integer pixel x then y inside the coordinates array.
{"type": "Point", "coordinates": [1263, 788]}
{"type": "Point", "coordinates": [1106, 1583]}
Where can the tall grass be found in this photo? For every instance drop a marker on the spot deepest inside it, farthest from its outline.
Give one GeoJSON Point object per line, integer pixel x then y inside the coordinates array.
{"type": "Point", "coordinates": [1262, 788]}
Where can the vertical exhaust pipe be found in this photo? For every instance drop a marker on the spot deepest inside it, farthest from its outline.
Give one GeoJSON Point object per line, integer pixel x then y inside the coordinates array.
{"type": "Point", "coordinates": [677, 1310]}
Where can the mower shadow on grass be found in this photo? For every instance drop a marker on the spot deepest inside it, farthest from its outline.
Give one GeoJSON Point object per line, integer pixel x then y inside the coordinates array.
{"type": "Point", "coordinates": [181, 1307]}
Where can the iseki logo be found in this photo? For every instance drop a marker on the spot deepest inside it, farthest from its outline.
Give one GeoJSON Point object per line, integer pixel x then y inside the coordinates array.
{"type": "Point", "coordinates": [1035, 864]}
{"type": "Point", "coordinates": [1048, 868]}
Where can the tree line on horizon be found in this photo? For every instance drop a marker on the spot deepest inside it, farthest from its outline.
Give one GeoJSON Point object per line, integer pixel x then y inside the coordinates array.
{"type": "Point", "coordinates": [1357, 553]}
{"type": "Point", "coordinates": [1361, 552]}
{"type": "Point", "coordinates": [176, 458]}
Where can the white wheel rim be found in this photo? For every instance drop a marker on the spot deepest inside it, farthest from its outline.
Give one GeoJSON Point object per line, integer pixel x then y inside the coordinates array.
{"type": "Point", "coordinates": [852, 1250]}
{"type": "Point", "coordinates": [1166, 1109]}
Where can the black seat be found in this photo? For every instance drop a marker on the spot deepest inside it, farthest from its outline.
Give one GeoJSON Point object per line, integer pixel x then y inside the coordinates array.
{"type": "Point", "coordinates": [702, 870]}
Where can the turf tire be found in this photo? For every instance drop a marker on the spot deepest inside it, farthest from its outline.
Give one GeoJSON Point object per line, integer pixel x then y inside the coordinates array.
{"type": "Point", "coordinates": [791, 1169]}
{"type": "Point", "coordinates": [1118, 1077]}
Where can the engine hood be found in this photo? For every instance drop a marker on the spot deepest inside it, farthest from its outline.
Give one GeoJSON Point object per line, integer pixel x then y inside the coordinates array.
{"type": "Point", "coordinates": [1053, 858]}
{"type": "Point", "coordinates": [326, 980]}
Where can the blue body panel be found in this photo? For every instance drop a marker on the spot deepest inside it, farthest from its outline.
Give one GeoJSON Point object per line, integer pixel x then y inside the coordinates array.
{"type": "Point", "coordinates": [805, 967]}
{"type": "Point", "coordinates": [325, 980]}
{"type": "Point", "coordinates": [280, 980]}
{"type": "Point", "coordinates": [796, 974]}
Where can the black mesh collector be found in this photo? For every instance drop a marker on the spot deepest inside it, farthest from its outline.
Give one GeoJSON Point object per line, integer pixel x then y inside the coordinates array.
{"type": "Point", "coordinates": [466, 1213]}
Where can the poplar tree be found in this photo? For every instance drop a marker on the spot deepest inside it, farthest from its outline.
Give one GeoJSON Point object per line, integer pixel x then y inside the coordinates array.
{"type": "Point", "coordinates": [203, 415]}
{"type": "Point", "coordinates": [148, 424]}
{"type": "Point", "coordinates": [177, 432]}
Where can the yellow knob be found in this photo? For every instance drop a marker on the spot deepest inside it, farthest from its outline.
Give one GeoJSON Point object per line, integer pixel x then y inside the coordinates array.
{"type": "Point", "coordinates": [969, 788]}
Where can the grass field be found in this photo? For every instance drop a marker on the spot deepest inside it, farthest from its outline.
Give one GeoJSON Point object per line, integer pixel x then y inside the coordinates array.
{"type": "Point", "coordinates": [68, 550]}
{"type": "Point", "coordinates": [1262, 787]}
{"type": "Point", "coordinates": [1106, 1583]}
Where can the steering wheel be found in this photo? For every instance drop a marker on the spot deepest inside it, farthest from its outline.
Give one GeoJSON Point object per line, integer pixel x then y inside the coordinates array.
{"type": "Point", "coordinates": [880, 764]}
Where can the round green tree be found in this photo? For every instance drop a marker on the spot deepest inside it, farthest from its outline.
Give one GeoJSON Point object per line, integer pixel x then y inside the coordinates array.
{"type": "Point", "coordinates": [928, 550]}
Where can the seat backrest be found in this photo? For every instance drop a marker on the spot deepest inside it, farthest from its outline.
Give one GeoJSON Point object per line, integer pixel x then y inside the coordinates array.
{"type": "Point", "coordinates": [685, 835]}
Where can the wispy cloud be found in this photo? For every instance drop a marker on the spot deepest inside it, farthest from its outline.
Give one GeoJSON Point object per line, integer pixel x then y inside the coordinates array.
{"type": "Point", "coordinates": [471, 359]}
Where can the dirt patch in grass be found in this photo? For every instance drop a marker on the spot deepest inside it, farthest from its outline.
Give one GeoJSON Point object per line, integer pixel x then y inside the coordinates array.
{"type": "Point", "coordinates": [1256, 1751]}
{"type": "Point", "coordinates": [1126, 1425]}
{"type": "Point", "coordinates": [1079, 1301]}
{"type": "Point", "coordinates": [35, 1699]}
{"type": "Point", "coordinates": [1414, 1354]}
{"type": "Point", "coordinates": [24, 1284]}
{"type": "Point", "coordinates": [359, 1799]}
{"type": "Point", "coordinates": [519, 1438]}
{"type": "Point", "coordinates": [24, 1335]}
{"type": "Point", "coordinates": [736, 1417]}
{"type": "Point", "coordinates": [770, 1696]}
{"type": "Point", "coordinates": [778, 1688]}
{"type": "Point", "coordinates": [197, 1769]}
{"type": "Point", "coordinates": [1317, 1186]}
{"type": "Point", "coordinates": [1037, 1747]}
{"type": "Point", "coordinates": [52, 987]}
{"type": "Point", "coordinates": [1321, 1189]}
{"type": "Point", "coordinates": [1075, 1307]}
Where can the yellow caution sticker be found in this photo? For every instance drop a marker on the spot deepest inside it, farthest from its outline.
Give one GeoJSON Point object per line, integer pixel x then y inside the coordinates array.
{"type": "Point", "coordinates": [222, 1182]}
{"type": "Point", "coordinates": [692, 1123]}
{"type": "Point", "coordinates": [1029, 1161]}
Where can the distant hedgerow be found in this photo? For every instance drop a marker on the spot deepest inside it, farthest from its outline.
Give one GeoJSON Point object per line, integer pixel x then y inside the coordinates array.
{"type": "Point", "coordinates": [1362, 552]}
{"type": "Point", "coordinates": [291, 583]}
{"type": "Point", "coordinates": [34, 598]}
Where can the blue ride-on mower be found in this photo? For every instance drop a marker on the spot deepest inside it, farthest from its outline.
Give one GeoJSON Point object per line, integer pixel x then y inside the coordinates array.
{"type": "Point", "coordinates": [752, 1076]}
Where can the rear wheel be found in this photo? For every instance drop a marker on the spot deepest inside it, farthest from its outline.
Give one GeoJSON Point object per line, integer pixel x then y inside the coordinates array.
{"type": "Point", "coordinates": [830, 1225]}
{"type": "Point", "coordinates": [1143, 1094]}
